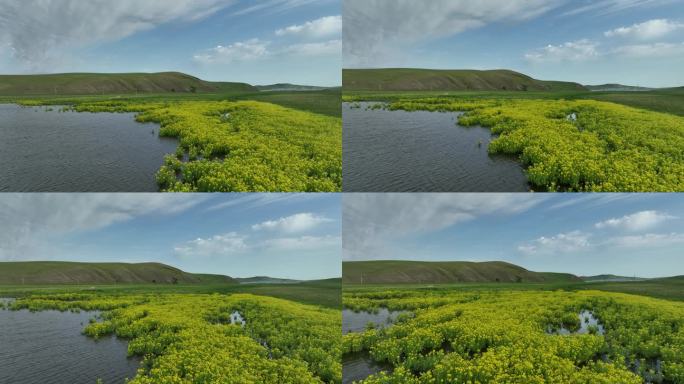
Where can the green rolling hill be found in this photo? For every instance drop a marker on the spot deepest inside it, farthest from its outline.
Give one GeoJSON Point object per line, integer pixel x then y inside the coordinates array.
{"type": "Point", "coordinates": [412, 79]}
{"type": "Point", "coordinates": [617, 88]}
{"type": "Point", "coordinates": [113, 83]}
{"type": "Point", "coordinates": [58, 272]}
{"type": "Point", "coordinates": [288, 87]}
{"type": "Point", "coordinates": [265, 280]}
{"type": "Point", "coordinates": [609, 277]}
{"type": "Point", "coordinates": [421, 272]}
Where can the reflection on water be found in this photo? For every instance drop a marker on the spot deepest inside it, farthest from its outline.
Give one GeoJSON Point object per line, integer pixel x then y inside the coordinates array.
{"type": "Point", "coordinates": [48, 347]}
{"type": "Point", "coordinates": [588, 324]}
{"type": "Point", "coordinates": [651, 370]}
{"type": "Point", "coordinates": [236, 318]}
{"type": "Point", "coordinates": [359, 366]}
{"type": "Point", "coordinates": [421, 151]}
{"type": "Point", "coordinates": [359, 321]}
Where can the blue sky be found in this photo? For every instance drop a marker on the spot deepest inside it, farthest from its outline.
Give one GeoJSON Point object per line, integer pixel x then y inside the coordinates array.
{"type": "Point", "coordinates": [634, 42]}
{"type": "Point", "coordinates": [264, 42]}
{"type": "Point", "coordinates": [240, 235]}
{"type": "Point", "coordinates": [584, 234]}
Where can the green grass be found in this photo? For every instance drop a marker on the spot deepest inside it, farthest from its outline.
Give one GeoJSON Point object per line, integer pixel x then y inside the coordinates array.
{"type": "Point", "coordinates": [672, 288]}
{"type": "Point", "coordinates": [669, 289]}
{"type": "Point", "coordinates": [327, 102]}
{"type": "Point", "coordinates": [326, 293]}
{"type": "Point", "coordinates": [666, 100]}
{"type": "Point", "coordinates": [414, 79]}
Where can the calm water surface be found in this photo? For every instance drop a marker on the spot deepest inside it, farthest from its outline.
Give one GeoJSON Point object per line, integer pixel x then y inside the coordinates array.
{"type": "Point", "coordinates": [587, 320]}
{"type": "Point", "coordinates": [357, 321]}
{"type": "Point", "coordinates": [53, 151]}
{"type": "Point", "coordinates": [48, 348]}
{"type": "Point", "coordinates": [359, 366]}
{"type": "Point", "coordinates": [421, 151]}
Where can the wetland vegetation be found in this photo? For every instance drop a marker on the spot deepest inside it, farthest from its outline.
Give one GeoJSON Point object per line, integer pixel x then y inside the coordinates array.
{"type": "Point", "coordinates": [187, 335]}
{"type": "Point", "coordinates": [482, 335]}
{"type": "Point", "coordinates": [608, 147]}
{"type": "Point", "coordinates": [230, 137]}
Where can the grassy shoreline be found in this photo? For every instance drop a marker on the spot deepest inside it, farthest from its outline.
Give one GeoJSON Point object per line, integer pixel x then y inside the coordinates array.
{"type": "Point", "coordinates": [608, 148]}
{"type": "Point", "coordinates": [282, 143]}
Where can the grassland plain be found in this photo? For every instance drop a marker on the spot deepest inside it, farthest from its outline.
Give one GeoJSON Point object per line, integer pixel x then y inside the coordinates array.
{"type": "Point", "coordinates": [609, 147]}
{"type": "Point", "coordinates": [189, 338]}
{"type": "Point", "coordinates": [235, 146]}
{"type": "Point", "coordinates": [487, 335]}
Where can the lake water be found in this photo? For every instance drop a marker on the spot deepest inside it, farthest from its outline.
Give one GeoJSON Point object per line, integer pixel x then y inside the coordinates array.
{"type": "Point", "coordinates": [358, 366]}
{"type": "Point", "coordinates": [54, 151]}
{"type": "Point", "coordinates": [357, 321]}
{"type": "Point", "coordinates": [587, 320]}
{"type": "Point", "coordinates": [401, 151]}
{"type": "Point", "coordinates": [47, 347]}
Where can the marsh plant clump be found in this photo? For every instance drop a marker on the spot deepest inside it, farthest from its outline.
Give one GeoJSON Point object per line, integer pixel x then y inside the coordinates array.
{"type": "Point", "coordinates": [189, 338]}
{"type": "Point", "coordinates": [242, 146]}
{"type": "Point", "coordinates": [606, 148]}
{"type": "Point", "coordinates": [503, 337]}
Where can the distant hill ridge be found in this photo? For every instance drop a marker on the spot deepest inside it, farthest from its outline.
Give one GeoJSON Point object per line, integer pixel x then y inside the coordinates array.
{"type": "Point", "coordinates": [113, 83]}
{"type": "Point", "coordinates": [609, 277]}
{"type": "Point", "coordinates": [617, 87]}
{"type": "Point", "coordinates": [401, 271]}
{"type": "Point", "coordinates": [265, 280]}
{"type": "Point", "coordinates": [59, 272]}
{"type": "Point", "coordinates": [288, 87]}
{"type": "Point", "coordinates": [416, 79]}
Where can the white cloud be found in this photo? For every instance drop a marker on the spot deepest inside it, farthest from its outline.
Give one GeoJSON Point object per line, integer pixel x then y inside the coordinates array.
{"type": "Point", "coordinates": [233, 243]}
{"type": "Point", "coordinates": [326, 48]}
{"type": "Point", "coordinates": [376, 31]}
{"type": "Point", "coordinates": [215, 246]}
{"type": "Point", "coordinates": [579, 50]}
{"type": "Point", "coordinates": [240, 51]}
{"type": "Point", "coordinates": [647, 241]}
{"type": "Point", "coordinates": [593, 200]}
{"type": "Point", "coordinates": [256, 200]}
{"type": "Point", "coordinates": [561, 243]}
{"type": "Point", "coordinates": [650, 50]}
{"type": "Point", "coordinates": [28, 221]}
{"type": "Point", "coordinates": [648, 30]}
{"type": "Point", "coordinates": [299, 222]}
{"type": "Point", "coordinates": [319, 28]}
{"type": "Point", "coordinates": [303, 243]}
{"type": "Point", "coordinates": [255, 49]}
{"type": "Point", "coordinates": [583, 50]}
{"type": "Point", "coordinates": [41, 33]}
{"type": "Point", "coordinates": [372, 222]}
{"type": "Point", "coordinates": [273, 6]}
{"type": "Point", "coordinates": [638, 221]}
{"type": "Point", "coordinates": [605, 7]}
